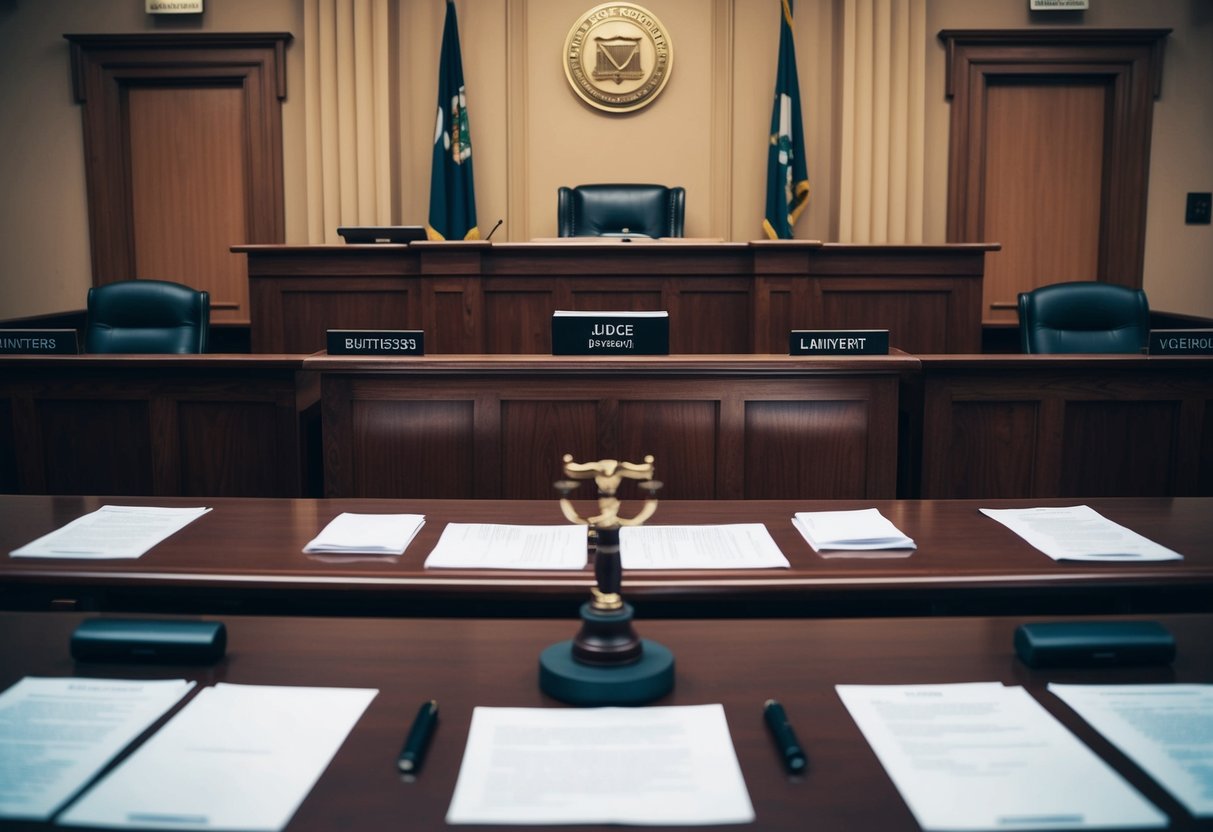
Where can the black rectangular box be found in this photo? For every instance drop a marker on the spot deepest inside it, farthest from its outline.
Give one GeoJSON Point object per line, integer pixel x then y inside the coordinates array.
{"type": "Point", "coordinates": [610, 333]}
{"type": "Point", "coordinates": [149, 640]}
{"type": "Point", "coordinates": [39, 342]}
{"type": "Point", "coordinates": [1094, 643]}
{"type": "Point", "coordinates": [838, 342]}
{"type": "Point", "coordinates": [1181, 342]}
{"type": "Point", "coordinates": [376, 342]}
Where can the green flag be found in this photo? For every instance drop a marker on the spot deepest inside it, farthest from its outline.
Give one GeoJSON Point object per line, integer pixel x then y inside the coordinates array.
{"type": "Point", "coordinates": [452, 197]}
{"type": "Point", "coordinates": [787, 170]}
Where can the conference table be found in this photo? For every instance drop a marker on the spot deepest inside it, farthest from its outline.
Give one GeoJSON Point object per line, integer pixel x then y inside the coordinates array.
{"type": "Point", "coordinates": [245, 556]}
{"type": "Point", "coordinates": [468, 663]}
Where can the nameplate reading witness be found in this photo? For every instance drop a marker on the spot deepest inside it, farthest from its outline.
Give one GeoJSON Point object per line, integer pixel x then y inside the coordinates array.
{"type": "Point", "coordinates": [38, 342]}
{"type": "Point", "coordinates": [838, 342]}
{"type": "Point", "coordinates": [610, 333]}
{"type": "Point", "coordinates": [1181, 342]}
{"type": "Point", "coordinates": [376, 342]}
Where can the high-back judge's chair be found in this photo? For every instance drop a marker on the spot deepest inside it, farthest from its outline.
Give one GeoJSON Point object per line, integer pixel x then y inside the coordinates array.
{"type": "Point", "coordinates": [620, 211]}
{"type": "Point", "coordinates": [146, 316]}
{"type": "Point", "coordinates": [1084, 317]}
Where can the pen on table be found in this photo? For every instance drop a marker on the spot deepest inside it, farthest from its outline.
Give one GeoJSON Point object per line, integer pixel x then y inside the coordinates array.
{"type": "Point", "coordinates": [413, 754]}
{"type": "Point", "coordinates": [794, 758]}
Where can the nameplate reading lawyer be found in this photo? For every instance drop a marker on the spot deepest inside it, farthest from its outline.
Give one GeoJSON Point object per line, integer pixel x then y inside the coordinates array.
{"type": "Point", "coordinates": [838, 342]}
{"type": "Point", "coordinates": [1181, 342]}
{"type": "Point", "coordinates": [376, 342]}
{"type": "Point", "coordinates": [610, 333]}
{"type": "Point", "coordinates": [38, 342]}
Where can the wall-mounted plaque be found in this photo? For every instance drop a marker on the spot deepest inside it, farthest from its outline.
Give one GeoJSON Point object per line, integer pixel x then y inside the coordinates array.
{"type": "Point", "coordinates": [618, 57]}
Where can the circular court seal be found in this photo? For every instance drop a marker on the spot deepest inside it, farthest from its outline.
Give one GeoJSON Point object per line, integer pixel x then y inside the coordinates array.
{"type": "Point", "coordinates": [618, 57]}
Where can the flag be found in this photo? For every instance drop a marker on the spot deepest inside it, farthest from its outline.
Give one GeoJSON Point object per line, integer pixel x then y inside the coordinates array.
{"type": "Point", "coordinates": [787, 170]}
{"type": "Point", "coordinates": [452, 197]}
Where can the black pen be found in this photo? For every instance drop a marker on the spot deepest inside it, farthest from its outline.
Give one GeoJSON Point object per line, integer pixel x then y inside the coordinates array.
{"type": "Point", "coordinates": [413, 754]}
{"type": "Point", "coordinates": [785, 738]}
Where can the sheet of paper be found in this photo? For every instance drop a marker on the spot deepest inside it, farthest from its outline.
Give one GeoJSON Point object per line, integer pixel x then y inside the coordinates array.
{"type": "Point", "coordinates": [732, 546]}
{"type": "Point", "coordinates": [854, 530]}
{"type": "Point", "coordinates": [372, 534]}
{"type": "Point", "coordinates": [237, 757]}
{"type": "Point", "coordinates": [495, 546]}
{"type": "Point", "coordinates": [111, 532]}
{"type": "Point", "coordinates": [663, 765]}
{"type": "Point", "coordinates": [1079, 533]}
{"type": "Point", "coordinates": [984, 756]}
{"type": "Point", "coordinates": [56, 734]}
{"type": "Point", "coordinates": [1167, 730]}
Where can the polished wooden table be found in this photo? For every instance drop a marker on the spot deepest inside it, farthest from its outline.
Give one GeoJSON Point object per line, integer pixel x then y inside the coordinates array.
{"type": "Point", "coordinates": [468, 663]}
{"type": "Point", "coordinates": [246, 556]}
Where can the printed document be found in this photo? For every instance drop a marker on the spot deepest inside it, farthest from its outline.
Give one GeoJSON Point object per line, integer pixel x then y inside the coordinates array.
{"type": "Point", "coordinates": [859, 530]}
{"type": "Point", "coordinates": [367, 534]}
{"type": "Point", "coordinates": [494, 546]}
{"type": "Point", "coordinates": [237, 757]}
{"type": "Point", "coordinates": [56, 734]}
{"type": "Point", "coordinates": [1079, 533]}
{"type": "Point", "coordinates": [111, 532]}
{"type": "Point", "coordinates": [732, 546]}
{"type": "Point", "coordinates": [1167, 730]}
{"type": "Point", "coordinates": [983, 756]}
{"type": "Point", "coordinates": [662, 765]}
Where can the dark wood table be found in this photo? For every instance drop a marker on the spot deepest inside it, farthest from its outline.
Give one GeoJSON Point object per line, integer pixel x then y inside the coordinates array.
{"type": "Point", "coordinates": [467, 663]}
{"type": "Point", "coordinates": [245, 556]}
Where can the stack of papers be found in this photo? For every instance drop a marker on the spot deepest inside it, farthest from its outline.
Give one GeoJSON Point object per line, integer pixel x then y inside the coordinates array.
{"type": "Point", "coordinates": [111, 532]}
{"type": "Point", "coordinates": [1079, 533]}
{"type": "Point", "coordinates": [493, 546]}
{"type": "Point", "coordinates": [859, 530]}
{"type": "Point", "coordinates": [371, 534]}
{"type": "Point", "coordinates": [733, 546]}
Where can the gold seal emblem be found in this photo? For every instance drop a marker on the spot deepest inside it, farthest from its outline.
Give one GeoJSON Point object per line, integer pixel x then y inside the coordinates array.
{"type": "Point", "coordinates": [618, 57]}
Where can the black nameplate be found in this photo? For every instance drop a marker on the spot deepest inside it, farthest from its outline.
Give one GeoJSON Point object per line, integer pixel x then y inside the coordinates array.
{"type": "Point", "coordinates": [1093, 643]}
{"type": "Point", "coordinates": [376, 342]}
{"type": "Point", "coordinates": [149, 640]}
{"type": "Point", "coordinates": [838, 342]}
{"type": "Point", "coordinates": [38, 342]}
{"type": "Point", "coordinates": [610, 333]}
{"type": "Point", "coordinates": [1181, 342]}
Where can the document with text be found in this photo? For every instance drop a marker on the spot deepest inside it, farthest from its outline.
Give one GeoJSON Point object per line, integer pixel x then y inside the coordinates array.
{"type": "Point", "coordinates": [1079, 533]}
{"type": "Point", "coordinates": [111, 532]}
{"type": "Point", "coordinates": [1167, 730]}
{"type": "Point", "coordinates": [237, 757]}
{"type": "Point", "coordinates": [854, 530]}
{"type": "Point", "coordinates": [731, 546]}
{"type": "Point", "coordinates": [983, 756]}
{"type": "Point", "coordinates": [660, 766]}
{"type": "Point", "coordinates": [495, 546]}
{"type": "Point", "coordinates": [371, 534]}
{"type": "Point", "coordinates": [56, 734]}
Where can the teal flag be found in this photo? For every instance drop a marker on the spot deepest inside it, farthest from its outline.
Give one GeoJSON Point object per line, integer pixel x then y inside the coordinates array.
{"type": "Point", "coordinates": [452, 197]}
{"type": "Point", "coordinates": [787, 170]}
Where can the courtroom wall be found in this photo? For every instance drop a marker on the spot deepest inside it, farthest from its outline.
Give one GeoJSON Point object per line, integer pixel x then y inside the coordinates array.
{"type": "Point", "coordinates": [531, 134]}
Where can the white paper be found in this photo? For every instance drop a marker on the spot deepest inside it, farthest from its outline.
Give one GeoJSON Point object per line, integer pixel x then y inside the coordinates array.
{"type": "Point", "coordinates": [731, 546]}
{"type": "Point", "coordinates": [984, 756]}
{"type": "Point", "coordinates": [495, 546]}
{"type": "Point", "coordinates": [856, 530]}
{"type": "Point", "coordinates": [1167, 730]}
{"type": "Point", "coordinates": [1079, 533]}
{"type": "Point", "coordinates": [56, 734]}
{"type": "Point", "coordinates": [371, 534]}
{"type": "Point", "coordinates": [237, 757]}
{"type": "Point", "coordinates": [111, 532]}
{"type": "Point", "coordinates": [664, 765]}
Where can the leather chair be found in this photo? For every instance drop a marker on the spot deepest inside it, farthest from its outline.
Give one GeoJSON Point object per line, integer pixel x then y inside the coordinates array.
{"type": "Point", "coordinates": [146, 316]}
{"type": "Point", "coordinates": [1084, 317]}
{"type": "Point", "coordinates": [620, 211]}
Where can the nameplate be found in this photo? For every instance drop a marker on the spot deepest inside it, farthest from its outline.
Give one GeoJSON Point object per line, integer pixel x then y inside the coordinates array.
{"type": "Point", "coordinates": [610, 333]}
{"type": "Point", "coordinates": [38, 342]}
{"type": "Point", "coordinates": [376, 342]}
{"type": "Point", "coordinates": [838, 342]}
{"type": "Point", "coordinates": [1181, 342]}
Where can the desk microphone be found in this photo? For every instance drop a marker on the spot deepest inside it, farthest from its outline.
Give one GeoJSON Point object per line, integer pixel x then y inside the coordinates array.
{"type": "Point", "coordinates": [495, 227]}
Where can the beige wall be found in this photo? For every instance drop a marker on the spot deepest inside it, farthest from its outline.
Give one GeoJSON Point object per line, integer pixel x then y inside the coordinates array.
{"type": "Point", "coordinates": [531, 134]}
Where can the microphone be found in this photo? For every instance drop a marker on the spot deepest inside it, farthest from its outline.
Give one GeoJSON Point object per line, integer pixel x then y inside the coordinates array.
{"type": "Point", "coordinates": [495, 227]}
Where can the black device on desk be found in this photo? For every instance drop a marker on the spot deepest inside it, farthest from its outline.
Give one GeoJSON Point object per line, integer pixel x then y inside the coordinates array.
{"type": "Point", "coordinates": [148, 640]}
{"type": "Point", "coordinates": [382, 233]}
{"type": "Point", "coordinates": [1094, 643]}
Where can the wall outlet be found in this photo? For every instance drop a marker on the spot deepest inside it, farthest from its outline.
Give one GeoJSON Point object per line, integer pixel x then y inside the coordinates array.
{"type": "Point", "coordinates": [1198, 209]}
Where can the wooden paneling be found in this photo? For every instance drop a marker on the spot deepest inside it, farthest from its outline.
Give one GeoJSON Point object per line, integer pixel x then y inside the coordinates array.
{"type": "Point", "coordinates": [1065, 426]}
{"type": "Point", "coordinates": [94, 447]}
{"type": "Point", "coordinates": [723, 298]}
